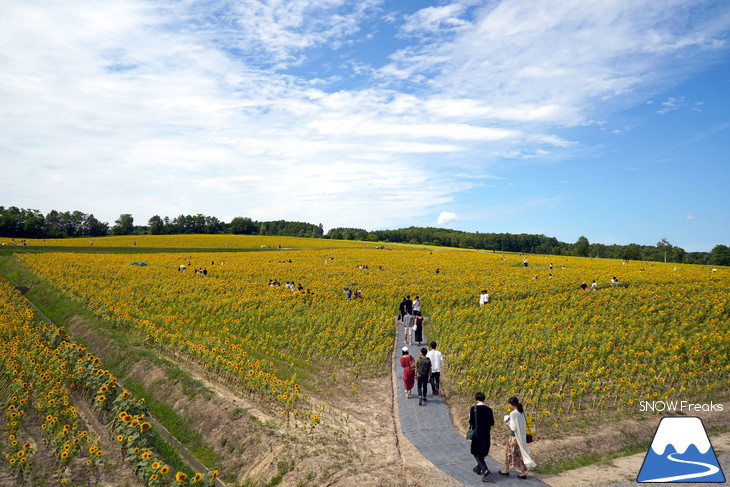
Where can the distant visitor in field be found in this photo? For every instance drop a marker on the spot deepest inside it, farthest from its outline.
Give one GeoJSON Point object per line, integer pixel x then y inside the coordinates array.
{"type": "Point", "coordinates": [584, 286]}
{"type": "Point", "coordinates": [594, 285]}
{"type": "Point", "coordinates": [423, 371]}
{"type": "Point", "coordinates": [524, 262]}
{"type": "Point", "coordinates": [417, 306]}
{"type": "Point", "coordinates": [409, 371]}
{"type": "Point", "coordinates": [436, 358]}
{"type": "Point", "coordinates": [481, 420]}
{"type": "Point", "coordinates": [614, 281]}
{"type": "Point", "coordinates": [518, 454]}
{"type": "Point", "coordinates": [348, 293]}
{"type": "Point", "coordinates": [483, 298]}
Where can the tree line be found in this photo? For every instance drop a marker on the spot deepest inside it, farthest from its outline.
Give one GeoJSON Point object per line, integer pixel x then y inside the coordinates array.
{"type": "Point", "coordinates": [25, 223]}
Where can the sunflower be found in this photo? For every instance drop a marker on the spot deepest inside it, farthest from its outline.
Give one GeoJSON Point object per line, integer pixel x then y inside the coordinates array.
{"type": "Point", "coordinates": [101, 398]}
{"type": "Point", "coordinates": [155, 465]}
{"type": "Point", "coordinates": [181, 477]}
{"type": "Point", "coordinates": [198, 477]}
{"type": "Point", "coordinates": [165, 470]}
{"type": "Point", "coordinates": [145, 426]}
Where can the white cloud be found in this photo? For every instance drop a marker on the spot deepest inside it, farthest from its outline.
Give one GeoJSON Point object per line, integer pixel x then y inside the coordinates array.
{"type": "Point", "coordinates": [670, 104]}
{"type": "Point", "coordinates": [210, 106]}
{"type": "Point", "coordinates": [435, 19]}
{"type": "Point", "coordinates": [445, 217]}
{"type": "Point", "coordinates": [571, 54]}
{"type": "Point", "coordinates": [691, 217]}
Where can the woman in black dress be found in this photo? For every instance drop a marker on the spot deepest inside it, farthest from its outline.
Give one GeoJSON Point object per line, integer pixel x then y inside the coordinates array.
{"type": "Point", "coordinates": [481, 419]}
{"type": "Point", "coordinates": [418, 321]}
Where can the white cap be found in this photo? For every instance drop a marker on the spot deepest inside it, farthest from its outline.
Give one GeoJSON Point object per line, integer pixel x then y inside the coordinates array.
{"type": "Point", "coordinates": [405, 349]}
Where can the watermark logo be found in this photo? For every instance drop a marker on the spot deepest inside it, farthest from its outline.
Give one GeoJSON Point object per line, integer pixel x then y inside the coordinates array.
{"type": "Point", "coordinates": [681, 452]}
{"type": "Point", "coordinates": [679, 406]}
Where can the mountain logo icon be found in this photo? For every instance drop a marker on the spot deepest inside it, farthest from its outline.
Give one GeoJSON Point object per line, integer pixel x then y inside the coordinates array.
{"type": "Point", "coordinates": [681, 452]}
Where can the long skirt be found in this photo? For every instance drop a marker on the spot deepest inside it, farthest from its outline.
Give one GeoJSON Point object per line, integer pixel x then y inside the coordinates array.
{"type": "Point", "coordinates": [513, 458]}
{"type": "Point", "coordinates": [419, 333]}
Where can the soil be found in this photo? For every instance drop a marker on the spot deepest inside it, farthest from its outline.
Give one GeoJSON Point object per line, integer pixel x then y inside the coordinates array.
{"type": "Point", "coordinates": [359, 438]}
{"type": "Point", "coordinates": [115, 471]}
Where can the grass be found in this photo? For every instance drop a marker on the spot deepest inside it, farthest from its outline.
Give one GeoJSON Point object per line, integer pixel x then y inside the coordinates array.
{"type": "Point", "coordinates": [591, 459]}
{"type": "Point", "coordinates": [61, 310]}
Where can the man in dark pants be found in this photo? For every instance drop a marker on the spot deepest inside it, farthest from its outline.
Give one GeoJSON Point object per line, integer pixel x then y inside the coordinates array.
{"type": "Point", "coordinates": [402, 308]}
{"type": "Point", "coordinates": [481, 419]}
{"type": "Point", "coordinates": [409, 305]}
{"type": "Point", "coordinates": [423, 371]}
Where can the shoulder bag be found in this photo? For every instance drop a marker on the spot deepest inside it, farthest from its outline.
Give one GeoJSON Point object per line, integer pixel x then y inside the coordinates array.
{"type": "Point", "coordinates": [472, 433]}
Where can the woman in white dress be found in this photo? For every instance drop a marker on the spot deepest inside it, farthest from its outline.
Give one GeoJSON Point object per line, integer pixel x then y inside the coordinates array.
{"type": "Point", "coordinates": [518, 454]}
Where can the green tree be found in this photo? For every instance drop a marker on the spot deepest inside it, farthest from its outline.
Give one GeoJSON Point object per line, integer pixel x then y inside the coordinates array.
{"type": "Point", "coordinates": [156, 224]}
{"type": "Point", "coordinates": [124, 225]}
{"type": "Point", "coordinates": [243, 226]}
{"type": "Point", "coordinates": [580, 248]}
{"type": "Point", "coordinates": [719, 255]}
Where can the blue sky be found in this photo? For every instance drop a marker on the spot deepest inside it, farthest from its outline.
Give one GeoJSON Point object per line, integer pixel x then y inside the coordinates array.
{"type": "Point", "coordinates": [563, 117]}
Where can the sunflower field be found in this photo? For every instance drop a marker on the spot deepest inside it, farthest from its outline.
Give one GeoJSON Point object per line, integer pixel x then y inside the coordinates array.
{"type": "Point", "coordinates": [660, 331]}
{"type": "Point", "coordinates": [43, 377]}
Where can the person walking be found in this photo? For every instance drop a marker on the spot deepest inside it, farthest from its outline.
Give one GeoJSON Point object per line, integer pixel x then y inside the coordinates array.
{"type": "Point", "coordinates": [436, 358]}
{"type": "Point", "coordinates": [417, 306]}
{"type": "Point", "coordinates": [409, 305]}
{"type": "Point", "coordinates": [518, 454]}
{"type": "Point", "coordinates": [408, 328]}
{"type": "Point", "coordinates": [409, 371]}
{"type": "Point", "coordinates": [481, 420]}
{"type": "Point", "coordinates": [402, 309]}
{"type": "Point", "coordinates": [418, 332]}
{"type": "Point", "coordinates": [423, 371]}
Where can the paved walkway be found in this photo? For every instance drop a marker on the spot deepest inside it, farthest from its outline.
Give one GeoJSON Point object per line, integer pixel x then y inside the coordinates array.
{"type": "Point", "coordinates": [430, 429]}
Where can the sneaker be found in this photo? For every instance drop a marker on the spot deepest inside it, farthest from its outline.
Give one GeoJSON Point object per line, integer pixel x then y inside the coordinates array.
{"type": "Point", "coordinates": [420, 401]}
{"type": "Point", "coordinates": [485, 478]}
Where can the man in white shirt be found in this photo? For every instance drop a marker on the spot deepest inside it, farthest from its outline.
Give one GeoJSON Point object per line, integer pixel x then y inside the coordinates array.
{"type": "Point", "coordinates": [437, 358]}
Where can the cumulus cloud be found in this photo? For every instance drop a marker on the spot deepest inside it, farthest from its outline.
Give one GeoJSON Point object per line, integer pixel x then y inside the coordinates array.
{"type": "Point", "coordinates": [691, 217]}
{"type": "Point", "coordinates": [445, 217]}
{"type": "Point", "coordinates": [282, 110]}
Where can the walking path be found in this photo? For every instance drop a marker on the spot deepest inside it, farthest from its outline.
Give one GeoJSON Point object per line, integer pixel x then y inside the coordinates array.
{"type": "Point", "coordinates": [430, 429]}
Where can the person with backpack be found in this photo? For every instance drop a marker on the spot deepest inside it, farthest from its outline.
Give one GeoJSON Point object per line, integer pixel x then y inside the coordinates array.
{"type": "Point", "coordinates": [423, 371]}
